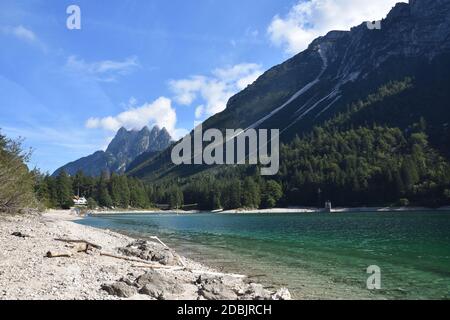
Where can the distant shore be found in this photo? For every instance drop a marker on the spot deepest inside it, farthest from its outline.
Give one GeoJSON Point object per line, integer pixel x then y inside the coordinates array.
{"type": "Point", "coordinates": [336, 210]}
{"type": "Point", "coordinates": [305, 210]}
{"type": "Point", "coordinates": [149, 211]}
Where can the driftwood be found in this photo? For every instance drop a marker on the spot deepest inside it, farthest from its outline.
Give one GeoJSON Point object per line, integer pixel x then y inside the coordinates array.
{"type": "Point", "coordinates": [81, 241]}
{"type": "Point", "coordinates": [165, 268]}
{"type": "Point", "coordinates": [77, 246]}
{"type": "Point", "coordinates": [20, 235]}
{"type": "Point", "coordinates": [82, 247]}
{"type": "Point", "coordinates": [180, 259]}
{"type": "Point", "coordinates": [59, 254]}
{"type": "Point", "coordinates": [219, 274]}
{"type": "Point", "coordinates": [199, 272]}
{"type": "Point", "coordinates": [129, 259]}
{"type": "Point", "coordinates": [159, 240]}
{"type": "Point", "coordinates": [146, 264]}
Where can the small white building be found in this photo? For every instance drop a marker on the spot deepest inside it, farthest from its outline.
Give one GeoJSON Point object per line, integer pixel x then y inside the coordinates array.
{"type": "Point", "coordinates": [79, 201]}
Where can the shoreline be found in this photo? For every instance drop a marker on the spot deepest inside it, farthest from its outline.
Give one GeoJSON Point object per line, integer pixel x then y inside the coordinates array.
{"type": "Point", "coordinates": [120, 268]}
{"type": "Point", "coordinates": [304, 210]}
{"type": "Point", "coordinates": [336, 210]}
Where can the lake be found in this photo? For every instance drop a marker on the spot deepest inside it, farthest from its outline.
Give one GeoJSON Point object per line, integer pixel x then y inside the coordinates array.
{"type": "Point", "coordinates": [316, 256]}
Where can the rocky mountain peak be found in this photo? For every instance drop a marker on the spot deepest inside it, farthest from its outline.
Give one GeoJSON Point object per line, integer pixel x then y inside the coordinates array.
{"type": "Point", "coordinates": [164, 132]}
{"type": "Point", "coordinates": [126, 146]}
{"type": "Point", "coordinates": [146, 130]}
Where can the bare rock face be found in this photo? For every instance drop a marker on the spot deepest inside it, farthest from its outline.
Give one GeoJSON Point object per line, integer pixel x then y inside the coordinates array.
{"type": "Point", "coordinates": [151, 251]}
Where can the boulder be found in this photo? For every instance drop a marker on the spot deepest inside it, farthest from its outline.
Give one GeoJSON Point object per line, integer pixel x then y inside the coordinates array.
{"type": "Point", "coordinates": [257, 292]}
{"type": "Point", "coordinates": [215, 289]}
{"type": "Point", "coordinates": [153, 291]}
{"type": "Point", "coordinates": [120, 289]}
{"type": "Point", "coordinates": [151, 251]}
{"type": "Point", "coordinates": [157, 285]}
{"type": "Point", "coordinates": [282, 294]}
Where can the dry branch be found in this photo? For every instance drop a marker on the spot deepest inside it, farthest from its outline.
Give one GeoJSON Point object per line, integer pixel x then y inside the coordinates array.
{"type": "Point", "coordinates": [59, 254]}
{"type": "Point", "coordinates": [128, 259]}
{"type": "Point", "coordinates": [165, 268]}
{"type": "Point", "coordinates": [219, 274]}
{"type": "Point", "coordinates": [80, 241]}
{"type": "Point", "coordinates": [180, 259]}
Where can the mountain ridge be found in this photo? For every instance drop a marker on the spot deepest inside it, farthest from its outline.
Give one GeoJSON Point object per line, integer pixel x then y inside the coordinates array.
{"type": "Point", "coordinates": [339, 69]}
{"type": "Point", "coordinates": [123, 149]}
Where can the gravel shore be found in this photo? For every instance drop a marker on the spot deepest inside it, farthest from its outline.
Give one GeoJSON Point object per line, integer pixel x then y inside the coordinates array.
{"type": "Point", "coordinates": [151, 272]}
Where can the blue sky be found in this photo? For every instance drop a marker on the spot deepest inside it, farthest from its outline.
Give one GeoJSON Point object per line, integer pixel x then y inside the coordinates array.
{"type": "Point", "coordinates": [139, 62]}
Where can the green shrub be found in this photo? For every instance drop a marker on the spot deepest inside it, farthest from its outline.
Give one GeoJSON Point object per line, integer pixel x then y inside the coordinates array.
{"type": "Point", "coordinates": [16, 181]}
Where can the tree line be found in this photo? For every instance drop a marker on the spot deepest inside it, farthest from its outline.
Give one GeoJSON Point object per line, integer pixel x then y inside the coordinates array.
{"type": "Point", "coordinates": [121, 191]}
{"type": "Point", "coordinates": [108, 191]}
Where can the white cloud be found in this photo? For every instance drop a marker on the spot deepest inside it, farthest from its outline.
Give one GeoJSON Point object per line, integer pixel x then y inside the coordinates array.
{"type": "Point", "coordinates": [186, 89]}
{"type": "Point", "coordinates": [106, 70]}
{"type": "Point", "coordinates": [159, 112]}
{"type": "Point", "coordinates": [20, 32]}
{"type": "Point", "coordinates": [214, 91]}
{"type": "Point", "coordinates": [199, 111]}
{"type": "Point", "coordinates": [310, 19]}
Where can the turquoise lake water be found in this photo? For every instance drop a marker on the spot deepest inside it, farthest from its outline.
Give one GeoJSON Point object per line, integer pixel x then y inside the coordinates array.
{"type": "Point", "coordinates": [316, 256]}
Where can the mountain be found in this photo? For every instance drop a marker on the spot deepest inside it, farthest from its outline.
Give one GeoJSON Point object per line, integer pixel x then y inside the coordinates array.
{"type": "Point", "coordinates": [345, 66]}
{"type": "Point", "coordinates": [123, 150]}
{"type": "Point", "coordinates": [344, 69]}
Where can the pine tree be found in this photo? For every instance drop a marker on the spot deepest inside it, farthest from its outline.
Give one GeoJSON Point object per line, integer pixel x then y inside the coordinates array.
{"type": "Point", "coordinates": [52, 191]}
{"type": "Point", "coordinates": [398, 183]}
{"type": "Point", "coordinates": [91, 203]}
{"type": "Point", "coordinates": [138, 195]}
{"type": "Point", "coordinates": [78, 184]}
{"type": "Point", "coordinates": [233, 193]}
{"type": "Point", "coordinates": [271, 194]}
{"type": "Point", "coordinates": [175, 198]}
{"type": "Point", "coordinates": [409, 174]}
{"type": "Point", "coordinates": [250, 194]}
{"type": "Point", "coordinates": [41, 189]}
{"type": "Point", "coordinates": [64, 190]}
{"type": "Point", "coordinates": [215, 200]}
{"type": "Point", "coordinates": [120, 192]}
{"type": "Point", "coordinates": [103, 196]}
